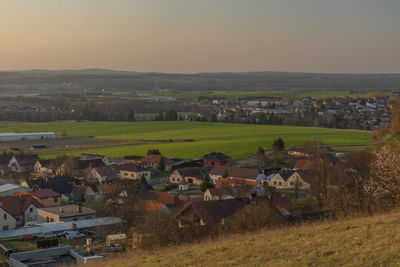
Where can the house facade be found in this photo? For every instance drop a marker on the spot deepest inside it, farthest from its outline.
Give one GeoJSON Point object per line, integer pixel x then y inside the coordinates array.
{"type": "Point", "coordinates": [289, 179]}
{"type": "Point", "coordinates": [193, 175]}
{"type": "Point", "coordinates": [104, 174]}
{"type": "Point", "coordinates": [7, 221]}
{"type": "Point", "coordinates": [153, 161]}
{"type": "Point", "coordinates": [22, 208]}
{"type": "Point", "coordinates": [44, 167]}
{"type": "Point", "coordinates": [135, 172]}
{"type": "Point", "coordinates": [22, 163]}
{"type": "Point", "coordinates": [66, 213]}
{"type": "Point", "coordinates": [233, 172]}
{"type": "Point", "coordinates": [47, 197]}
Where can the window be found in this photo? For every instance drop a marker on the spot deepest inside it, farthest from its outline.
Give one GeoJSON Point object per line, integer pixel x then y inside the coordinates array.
{"type": "Point", "coordinates": [280, 183]}
{"type": "Point", "coordinates": [30, 209]}
{"type": "Point", "coordinates": [47, 219]}
{"type": "Point", "coordinates": [274, 182]}
{"type": "Point", "coordinates": [5, 216]}
{"type": "Point", "coordinates": [5, 227]}
{"type": "Point", "coordinates": [291, 183]}
{"type": "Point", "coordinates": [56, 199]}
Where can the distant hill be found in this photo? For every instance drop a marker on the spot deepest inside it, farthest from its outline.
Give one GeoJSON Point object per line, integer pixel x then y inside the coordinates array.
{"type": "Point", "coordinates": [371, 241]}
{"type": "Point", "coordinates": [99, 79]}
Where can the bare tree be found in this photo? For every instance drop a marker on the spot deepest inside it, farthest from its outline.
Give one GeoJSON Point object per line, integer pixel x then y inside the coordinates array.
{"type": "Point", "coordinates": [384, 181]}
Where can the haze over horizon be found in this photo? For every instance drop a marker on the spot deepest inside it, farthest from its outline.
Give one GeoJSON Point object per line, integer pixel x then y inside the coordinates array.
{"type": "Point", "coordinates": [178, 36]}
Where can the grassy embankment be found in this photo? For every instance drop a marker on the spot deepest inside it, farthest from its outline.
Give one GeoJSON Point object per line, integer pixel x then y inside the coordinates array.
{"type": "Point", "coordinates": [236, 140]}
{"type": "Point", "coordinates": [370, 241]}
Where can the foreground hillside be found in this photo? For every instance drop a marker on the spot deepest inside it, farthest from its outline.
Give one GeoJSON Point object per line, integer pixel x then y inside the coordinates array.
{"type": "Point", "coordinates": [371, 241]}
{"type": "Point", "coordinates": [237, 140]}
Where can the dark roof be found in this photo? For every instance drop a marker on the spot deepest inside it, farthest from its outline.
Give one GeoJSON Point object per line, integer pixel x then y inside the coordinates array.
{"type": "Point", "coordinates": [46, 163]}
{"type": "Point", "coordinates": [306, 175]}
{"type": "Point", "coordinates": [107, 171]}
{"type": "Point", "coordinates": [16, 205]}
{"type": "Point", "coordinates": [236, 172]}
{"type": "Point", "coordinates": [213, 211]}
{"type": "Point", "coordinates": [218, 191]}
{"type": "Point", "coordinates": [26, 159]}
{"type": "Point", "coordinates": [286, 173]}
{"type": "Point", "coordinates": [197, 172]}
{"type": "Point", "coordinates": [44, 193]}
{"type": "Point", "coordinates": [216, 156]}
{"type": "Point", "coordinates": [60, 184]}
{"type": "Point", "coordinates": [91, 163]}
{"type": "Point", "coordinates": [133, 168]}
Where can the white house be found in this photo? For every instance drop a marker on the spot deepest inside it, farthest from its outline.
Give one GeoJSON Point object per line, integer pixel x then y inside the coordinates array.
{"type": "Point", "coordinates": [22, 163]}
{"type": "Point", "coordinates": [183, 185]}
{"type": "Point", "coordinates": [7, 221]}
{"type": "Point", "coordinates": [22, 207]}
{"type": "Point", "coordinates": [301, 178]}
{"type": "Point", "coordinates": [216, 194]}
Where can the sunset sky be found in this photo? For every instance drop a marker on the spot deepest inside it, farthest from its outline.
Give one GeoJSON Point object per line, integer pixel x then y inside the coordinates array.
{"type": "Point", "coordinates": [186, 36]}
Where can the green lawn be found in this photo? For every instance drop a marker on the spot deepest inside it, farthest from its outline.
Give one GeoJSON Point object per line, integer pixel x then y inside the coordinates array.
{"type": "Point", "coordinates": [236, 140]}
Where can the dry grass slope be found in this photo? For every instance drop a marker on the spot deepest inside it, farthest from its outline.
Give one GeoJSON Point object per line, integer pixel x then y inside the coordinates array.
{"type": "Point", "coordinates": [371, 241]}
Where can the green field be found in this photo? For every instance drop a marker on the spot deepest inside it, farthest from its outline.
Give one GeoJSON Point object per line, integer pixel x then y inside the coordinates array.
{"type": "Point", "coordinates": [236, 140]}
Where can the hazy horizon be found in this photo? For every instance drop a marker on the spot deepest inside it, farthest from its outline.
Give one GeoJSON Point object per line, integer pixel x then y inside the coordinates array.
{"type": "Point", "coordinates": [187, 36]}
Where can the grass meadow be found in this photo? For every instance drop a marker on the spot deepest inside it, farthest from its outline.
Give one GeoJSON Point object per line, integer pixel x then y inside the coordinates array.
{"type": "Point", "coordinates": [237, 140]}
{"type": "Point", "coordinates": [369, 241]}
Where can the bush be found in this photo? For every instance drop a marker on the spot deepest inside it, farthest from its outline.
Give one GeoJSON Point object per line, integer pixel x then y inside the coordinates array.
{"type": "Point", "coordinates": [170, 187]}
{"type": "Point", "coordinates": [47, 243]}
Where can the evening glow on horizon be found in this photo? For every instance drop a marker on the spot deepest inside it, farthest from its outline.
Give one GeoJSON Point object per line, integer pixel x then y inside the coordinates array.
{"type": "Point", "coordinates": [186, 36]}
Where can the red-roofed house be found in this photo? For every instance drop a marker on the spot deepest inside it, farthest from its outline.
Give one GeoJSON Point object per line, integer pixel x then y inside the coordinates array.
{"type": "Point", "coordinates": [305, 165]}
{"type": "Point", "coordinates": [144, 206]}
{"type": "Point", "coordinates": [47, 197]}
{"type": "Point", "coordinates": [22, 207]}
{"type": "Point", "coordinates": [161, 197]}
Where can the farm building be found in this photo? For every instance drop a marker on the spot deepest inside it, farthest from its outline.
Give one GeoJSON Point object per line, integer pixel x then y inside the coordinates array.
{"type": "Point", "coordinates": [26, 136]}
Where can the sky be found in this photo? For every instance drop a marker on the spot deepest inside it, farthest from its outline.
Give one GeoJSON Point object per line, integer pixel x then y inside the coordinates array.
{"type": "Point", "coordinates": [188, 36]}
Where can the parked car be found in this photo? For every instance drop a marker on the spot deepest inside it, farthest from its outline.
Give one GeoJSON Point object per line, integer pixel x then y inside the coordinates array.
{"type": "Point", "coordinates": [26, 237]}
{"type": "Point", "coordinates": [47, 235]}
{"type": "Point", "coordinates": [71, 235]}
